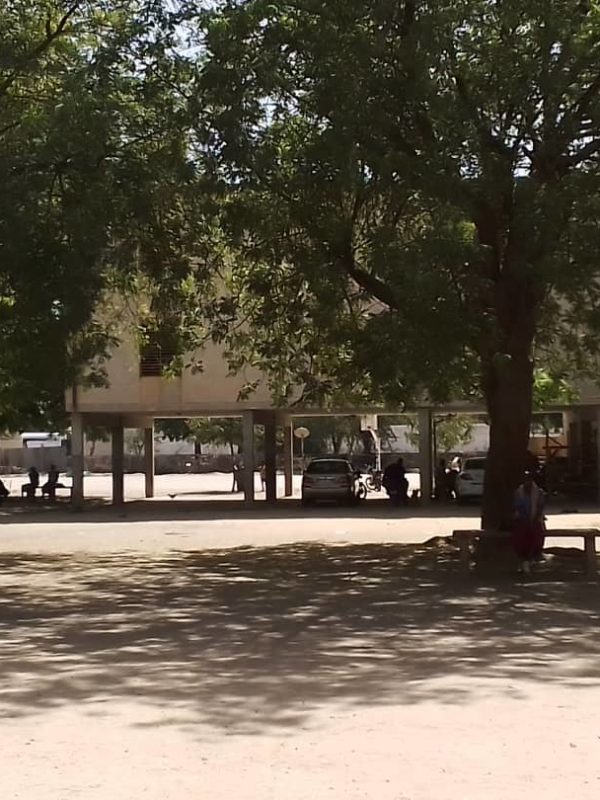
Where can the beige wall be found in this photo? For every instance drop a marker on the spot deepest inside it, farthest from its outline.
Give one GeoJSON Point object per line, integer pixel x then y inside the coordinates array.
{"type": "Point", "coordinates": [212, 390]}
{"type": "Point", "coordinates": [587, 393]}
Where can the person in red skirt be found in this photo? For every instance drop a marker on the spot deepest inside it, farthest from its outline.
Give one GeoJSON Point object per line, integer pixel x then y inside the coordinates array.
{"type": "Point", "coordinates": [529, 529]}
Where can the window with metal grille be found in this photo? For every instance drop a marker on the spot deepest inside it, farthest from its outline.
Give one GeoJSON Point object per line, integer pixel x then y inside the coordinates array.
{"type": "Point", "coordinates": [154, 359]}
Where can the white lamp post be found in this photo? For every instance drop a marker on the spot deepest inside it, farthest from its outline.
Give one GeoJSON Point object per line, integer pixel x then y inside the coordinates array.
{"type": "Point", "coordinates": [302, 433]}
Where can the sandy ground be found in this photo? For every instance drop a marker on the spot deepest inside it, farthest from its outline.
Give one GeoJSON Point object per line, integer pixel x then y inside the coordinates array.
{"type": "Point", "coordinates": [222, 653]}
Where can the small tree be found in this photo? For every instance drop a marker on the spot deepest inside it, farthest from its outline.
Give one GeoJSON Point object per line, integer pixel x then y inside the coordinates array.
{"type": "Point", "coordinates": [332, 433]}
{"type": "Point", "coordinates": [95, 434]}
{"type": "Point", "coordinates": [225, 431]}
{"type": "Point", "coordinates": [451, 431]}
{"type": "Point", "coordinates": [134, 442]}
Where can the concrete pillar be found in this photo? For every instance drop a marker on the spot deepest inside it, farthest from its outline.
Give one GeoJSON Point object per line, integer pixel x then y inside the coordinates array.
{"type": "Point", "coordinates": [425, 455]}
{"type": "Point", "coordinates": [118, 466]}
{"type": "Point", "coordinates": [149, 460]}
{"type": "Point", "coordinates": [571, 429]}
{"type": "Point", "coordinates": [288, 459]}
{"type": "Point", "coordinates": [249, 455]}
{"type": "Point", "coordinates": [271, 458]}
{"type": "Point", "coordinates": [77, 460]}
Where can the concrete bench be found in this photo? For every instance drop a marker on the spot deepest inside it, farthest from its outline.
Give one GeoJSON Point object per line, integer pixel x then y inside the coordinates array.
{"type": "Point", "coordinates": [45, 492]}
{"type": "Point", "coordinates": [51, 492]}
{"type": "Point", "coordinates": [465, 538]}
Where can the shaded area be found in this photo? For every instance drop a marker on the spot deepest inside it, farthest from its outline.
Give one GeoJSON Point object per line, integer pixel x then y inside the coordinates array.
{"type": "Point", "coordinates": [141, 510]}
{"type": "Point", "coordinates": [98, 510]}
{"type": "Point", "coordinates": [259, 637]}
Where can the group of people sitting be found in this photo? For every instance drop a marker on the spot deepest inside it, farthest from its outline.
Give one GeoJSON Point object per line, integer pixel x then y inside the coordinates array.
{"type": "Point", "coordinates": [48, 489]}
{"type": "Point", "coordinates": [29, 489]}
{"type": "Point", "coordinates": [395, 481]}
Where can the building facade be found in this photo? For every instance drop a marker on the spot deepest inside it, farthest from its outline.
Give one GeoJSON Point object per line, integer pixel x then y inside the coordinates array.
{"type": "Point", "coordinates": [138, 390]}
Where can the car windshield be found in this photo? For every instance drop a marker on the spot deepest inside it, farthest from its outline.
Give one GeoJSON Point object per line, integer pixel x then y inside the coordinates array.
{"type": "Point", "coordinates": [327, 468]}
{"type": "Point", "coordinates": [474, 463]}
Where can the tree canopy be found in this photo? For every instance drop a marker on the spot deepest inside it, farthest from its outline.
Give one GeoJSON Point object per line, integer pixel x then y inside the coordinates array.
{"type": "Point", "coordinates": [398, 201]}
{"type": "Point", "coordinates": [413, 191]}
{"type": "Point", "coordinates": [97, 185]}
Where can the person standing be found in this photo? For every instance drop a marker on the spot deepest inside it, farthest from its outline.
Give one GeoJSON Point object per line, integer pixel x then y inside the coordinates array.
{"type": "Point", "coordinates": [236, 487]}
{"type": "Point", "coordinates": [529, 529]}
{"type": "Point", "coordinates": [395, 482]}
{"type": "Point", "coordinates": [441, 484]}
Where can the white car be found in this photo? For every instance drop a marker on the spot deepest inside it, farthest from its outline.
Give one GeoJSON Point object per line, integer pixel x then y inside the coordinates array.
{"type": "Point", "coordinates": [469, 481]}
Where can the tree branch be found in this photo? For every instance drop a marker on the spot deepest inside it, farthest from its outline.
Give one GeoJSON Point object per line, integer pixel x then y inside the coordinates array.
{"type": "Point", "coordinates": [9, 127]}
{"type": "Point", "coordinates": [367, 281]}
{"type": "Point", "coordinates": [490, 142]}
{"type": "Point", "coordinates": [584, 153]}
{"type": "Point", "coordinates": [408, 18]}
{"type": "Point", "coordinates": [581, 106]}
{"type": "Point", "coordinates": [51, 35]}
{"type": "Point", "coordinates": [487, 139]}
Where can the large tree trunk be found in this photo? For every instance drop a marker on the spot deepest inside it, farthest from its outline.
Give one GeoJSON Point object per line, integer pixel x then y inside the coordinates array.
{"type": "Point", "coordinates": [509, 409]}
{"type": "Point", "coordinates": [508, 388]}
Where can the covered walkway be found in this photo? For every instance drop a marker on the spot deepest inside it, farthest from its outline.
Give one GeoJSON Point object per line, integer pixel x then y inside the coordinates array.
{"type": "Point", "coordinates": [272, 422]}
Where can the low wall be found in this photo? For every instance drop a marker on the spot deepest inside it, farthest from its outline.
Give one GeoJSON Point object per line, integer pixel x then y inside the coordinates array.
{"type": "Point", "coordinates": [21, 459]}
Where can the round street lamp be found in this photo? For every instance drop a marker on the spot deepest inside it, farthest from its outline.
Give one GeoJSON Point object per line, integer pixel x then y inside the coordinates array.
{"type": "Point", "coordinates": [301, 433]}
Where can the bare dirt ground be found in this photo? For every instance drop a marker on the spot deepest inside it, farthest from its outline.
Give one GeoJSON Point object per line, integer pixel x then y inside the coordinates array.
{"type": "Point", "coordinates": [177, 653]}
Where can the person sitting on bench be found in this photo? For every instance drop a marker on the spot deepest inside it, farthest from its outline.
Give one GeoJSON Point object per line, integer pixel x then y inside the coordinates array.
{"type": "Point", "coordinates": [49, 488]}
{"type": "Point", "coordinates": [3, 491]}
{"type": "Point", "coordinates": [30, 488]}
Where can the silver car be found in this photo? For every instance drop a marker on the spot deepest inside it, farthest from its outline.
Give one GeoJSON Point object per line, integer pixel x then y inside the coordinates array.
{"type": "Point", "coordinates": [330, 479]}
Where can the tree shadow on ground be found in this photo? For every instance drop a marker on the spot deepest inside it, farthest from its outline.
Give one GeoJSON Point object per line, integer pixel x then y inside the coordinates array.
{"type": "Point", "coordinates": [256, 638]}
{"type": "Point", "coordinates": [181, 507]}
